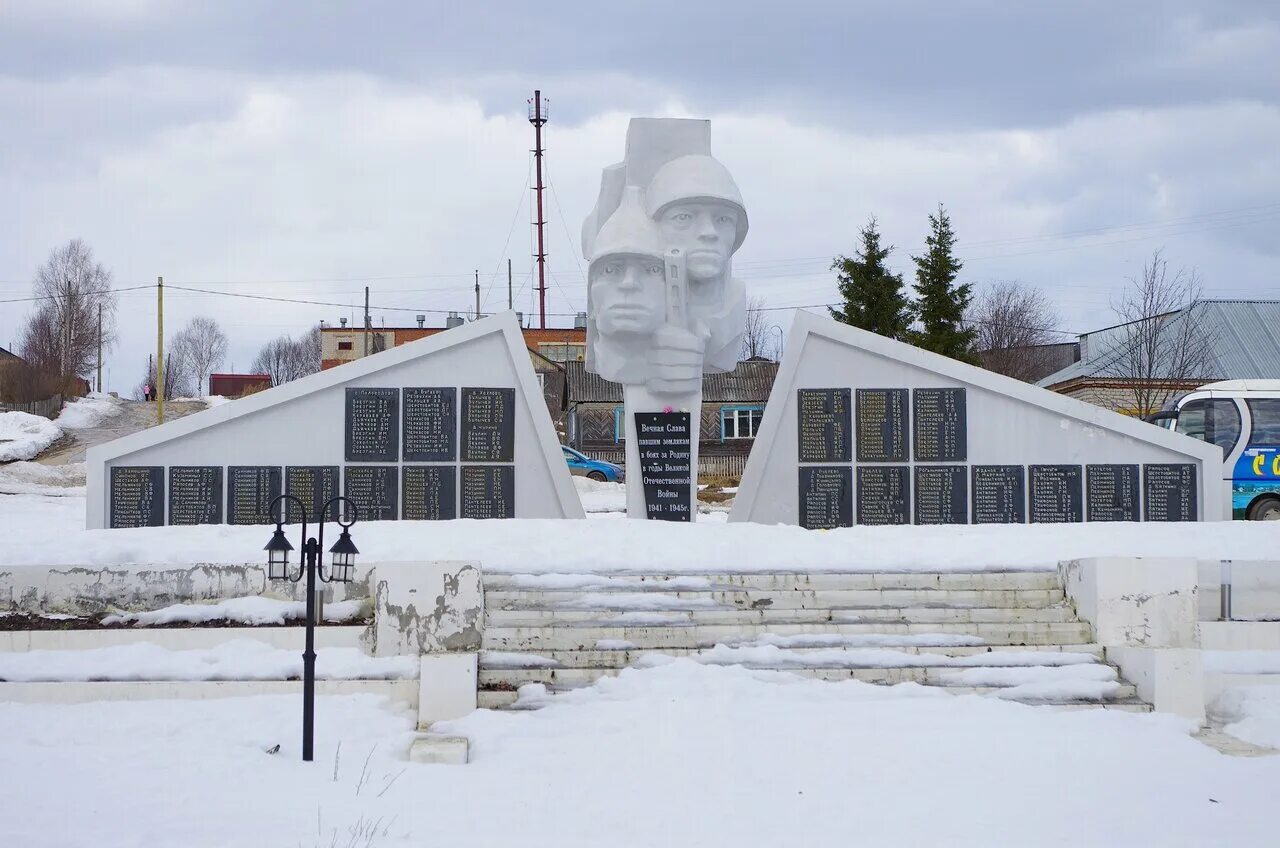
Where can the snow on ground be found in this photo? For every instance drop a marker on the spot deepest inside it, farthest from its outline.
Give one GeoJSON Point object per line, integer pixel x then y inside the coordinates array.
{"type": "Point", "coordinates": [601, 497]}
{"type": "Point", "coordinates": [92, 410]}
{"type": "Point", "coordinates": [681, 755]}
{"type": "Point", "coordinates": [42, 530]}
{"type": "Point", "coordinates": [1251, 713]}
{"type": "Point", "coordinates": [23, 435]}
{"type": "Point", "coordinates": [32, 478]}
{"type": "Point", "coordinates": [237, 659]}
{"type": "Point", "coordinates": [251, 610]}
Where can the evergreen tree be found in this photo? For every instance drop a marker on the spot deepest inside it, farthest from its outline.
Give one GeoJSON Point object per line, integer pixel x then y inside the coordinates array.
{"type": "Point", "coordinates": [941, 303]}
{"type": "Point", "coordinates": [873, 295]}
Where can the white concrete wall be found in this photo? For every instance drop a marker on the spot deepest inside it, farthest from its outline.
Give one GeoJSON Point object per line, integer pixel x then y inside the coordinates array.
{"type": "Point", "coordinates": [426, 607]}
{"type": "Point", "coordinates": [1255, 590]}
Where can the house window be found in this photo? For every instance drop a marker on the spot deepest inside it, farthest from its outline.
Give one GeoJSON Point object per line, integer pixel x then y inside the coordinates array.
{"type": "Point", "coordinates": [619, 424]}
{"type": "Point", "coordinates": [344, 345]}
{"type": "Point", "coordinates": [740, 422]}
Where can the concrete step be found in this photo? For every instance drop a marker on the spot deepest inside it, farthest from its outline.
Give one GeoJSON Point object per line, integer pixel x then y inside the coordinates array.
{"type": "Point", "coordinates": [746, 598]}
{"type": "Point", "coordinates": [585, 636]}
{"type": "Point", "coordinates": [625, 658]}
{"type": "Point", "coordinates": [910, 615]}
{"type": "Point", "coordinates": [780, 581]}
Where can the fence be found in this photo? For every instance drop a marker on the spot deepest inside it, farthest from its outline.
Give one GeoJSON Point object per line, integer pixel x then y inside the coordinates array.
{"type": "Point", "coordinates": [49, 407]}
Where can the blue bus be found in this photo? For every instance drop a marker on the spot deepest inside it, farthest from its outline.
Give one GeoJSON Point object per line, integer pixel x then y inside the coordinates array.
{"type": "Point", "coordinates": [1243, 418]}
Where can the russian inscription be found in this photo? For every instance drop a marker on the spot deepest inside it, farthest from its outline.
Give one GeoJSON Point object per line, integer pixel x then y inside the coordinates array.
{"type": "Point", "coordinates": [430, 424]}
{"type": "Point", "coordinates": [429, 493]}
{"type": "Point", "coordinates": [373, 425]}
{"type": "Point", "coordinates": [1057, 494]}
{"type": "Point", "coordinates": [884, 494]}
{"type": "Point", "coordinates": [941, 494]}
{"type": "Point", "coordinates": [315, 485]}
{"type": "Point", "coordinates": [999, 494]}
{"type": "Point", "coordinates": [1169, 492]}
{"type": "Point", "coordinates": [824, 433]}
{"type": "Point", "coordinates": [826, 496]}
{"type": "Point", "coordinates": [373, 490]}
{"type": "Point", "coordinates": [137, 496]}
{"type": "Point", "coordinates": [488, 491]}
{"type": "Point", "coordinates": [939, 425]}
{"type": "Point", "coordinates": [488, 425]}
{"type": "Point", "coordinates": [1111, 492]}
{"type": "Point", "coordinates": [663, 441]}
{"type": "Point", "coordinates": [250, 491]}
{"type": "Point", "coordinates": [195, 494]}
{"type": "Point", "coordinates": [882, 425]}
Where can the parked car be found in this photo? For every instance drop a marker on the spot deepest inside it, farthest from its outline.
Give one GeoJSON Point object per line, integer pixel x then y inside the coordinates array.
{"type": "Point", "coordinates": [584, 466]}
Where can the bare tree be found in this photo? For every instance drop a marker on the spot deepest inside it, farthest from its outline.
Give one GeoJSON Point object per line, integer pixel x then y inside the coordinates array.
{"type": "Point", "coordinates": [73, 290]}
{"type": "Point", "coordinates": [176, 383]}
{"type": "Point", "coordinates": [760, 337]}
{"type": "Point", "coordinates": [204, 348]}
{"type": "Point", "coordinates": [1164, 343]}
{"type": "Point", "coordinates": [285, 359]}
{"type": "Point", "coordinates": [1015, 327]}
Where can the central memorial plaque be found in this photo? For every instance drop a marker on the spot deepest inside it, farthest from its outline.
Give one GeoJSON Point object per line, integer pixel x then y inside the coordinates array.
{"type": "Point", "coordinates": [1111, 492]}
{"type": "Point", "coordinates": [941, 494]}
{"type": "Point", "coordinates": [373, 425]}
{"type": "Point", "coordinates": [884, 494]}
{"type": "Point", "coordinates": [882, 425]}
{"type": "Point", "coordinates": [826, 496]}
{"type": "Point", "coordinates": [315, 485]}
{"type": "Point", "coordinates": [824, 433]}
{"type": "Point", "coordinates": [1169, 492]}
{"type": "Point", "coordinates": [488, 491]}
{"type": "Point", "coordinates": [429, 493]}
{"type": "Point", "coordinates": [939, 425]}
{"type": "Point", "coordinates": [137, 496]}
{"type": "Point", "coordinates": [488, 425]}
{"type": "Point", "coordinates": [663, 440]}
{"type": "Point", "coordinates": [195, 494]}
{"type": "Point", "coordinates": [430, 424]}
{"type": "Point", "coordinates": [1057, 494]}
{"type": "Point", "coordinates": [999, 494]}
{"type": "Point", "coordinates": [250, 491]}
{"type": "Point", "coordinates": [373, 490]}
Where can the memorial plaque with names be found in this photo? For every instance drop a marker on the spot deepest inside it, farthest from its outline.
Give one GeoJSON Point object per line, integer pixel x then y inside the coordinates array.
{"type": "Point", "coordinates": [250, 491]}
{"type": "Point", "coordinates": [373, 490]}
{"type": "Point", "coordinates": [1057, 494]}
{"type": "Point", "coordinates": [1169, 492]}
{"type": "Point", "coordinates": [999, 494]}
{"type": "Point", "coordinates": [824, 433]}
{"type": "Point", "coordinates": [315, 485]}
{"type": "Point", "coordinates": [195, 494]}
{"type": "Point", "coordinates": [884, 495]}
{"type": "Point", "coordinates": [663, 442]}
{"type": "Point", "coordinates": [429, 493]}
{"type": "Point", "coordinates": [826, 496]}
{"type": "Point", "coordinates": [939, 425]}
{"type": "Point", "coordinates": [488, 425]}
{"type": "Point", "coordinates": [373, 425]}
{"type": "Point", "coordinates": [1111, 492]}
{"type": "Point", "coordinates": [941, 494]}
{"type": "Point", "coordinates": [488, 491]}
{"type": "Point", "coordinates": [881, 425]}
{"type": "Point", "coordinates": [430, 424]}
{"type": "Point", "coordinates": [137, 496]}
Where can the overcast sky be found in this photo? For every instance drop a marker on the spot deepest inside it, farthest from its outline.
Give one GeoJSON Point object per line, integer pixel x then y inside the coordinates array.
{"type": "Point", "coordinates": [304, 150]}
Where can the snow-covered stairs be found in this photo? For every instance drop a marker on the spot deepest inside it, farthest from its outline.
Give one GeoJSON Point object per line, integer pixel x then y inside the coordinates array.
{"type": "Point", "coordinates": [1010, 634]}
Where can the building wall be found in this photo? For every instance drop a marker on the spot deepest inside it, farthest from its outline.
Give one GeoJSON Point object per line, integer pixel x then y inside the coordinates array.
{"type": "Point", "coordinates": [346, 344]}
{"type": "Point", "coordinates": [1117, 395]}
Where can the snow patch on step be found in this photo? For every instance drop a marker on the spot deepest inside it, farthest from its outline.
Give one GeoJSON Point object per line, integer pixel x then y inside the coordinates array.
{"type": "Point", "coordinates": [513, 659]}
{"type": "Point", "coordinates": [864, 640]}
{"type": "Point", "coordinates": [1023, 675]}
{"type": "Point", "coordinates": [555, 581]}
{"type": "Point", "coordinates": [770, 656]}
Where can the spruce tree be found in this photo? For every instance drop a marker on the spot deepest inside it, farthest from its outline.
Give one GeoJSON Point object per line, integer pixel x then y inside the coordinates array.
{"type": "Point", "coordinates": [873, 295]}
{"type": "Point", "coordinates": [941, 303]}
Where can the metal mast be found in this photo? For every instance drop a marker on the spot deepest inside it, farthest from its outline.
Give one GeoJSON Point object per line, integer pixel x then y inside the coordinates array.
{"type": "Point", "coordinates": [538, 117]}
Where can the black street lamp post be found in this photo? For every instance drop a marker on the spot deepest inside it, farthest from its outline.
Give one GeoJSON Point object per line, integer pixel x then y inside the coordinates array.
{"type": "Point", "coordinates": [341, 571]}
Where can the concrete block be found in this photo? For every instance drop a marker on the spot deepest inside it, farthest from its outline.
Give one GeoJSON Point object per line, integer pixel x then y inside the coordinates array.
{"type": "Point", "coordinates": [1170, 679]}
{"type": "Point", "coordinates": [1136, 601]}
{"type": "Point", "coordinates": [431, 748]}
{"type": "Point", "coordinates": [446, 687]}
{"type": "Point", "coordinates": [426, 607]}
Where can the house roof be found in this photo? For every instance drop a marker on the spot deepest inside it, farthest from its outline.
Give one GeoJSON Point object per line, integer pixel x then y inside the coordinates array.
{"type": "Point", "coordinates": [749, 382]}
{"type": "Point", "coordinates": [1246, 344]}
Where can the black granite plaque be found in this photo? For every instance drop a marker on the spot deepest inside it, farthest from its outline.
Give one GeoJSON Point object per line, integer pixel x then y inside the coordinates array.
{"type": "Point", "coordinates": [315, 485]}
{"type": "Point", "coordinates": [884, 495]}
{"type": "Point", "coordinates": [941, 494]}
{"type": "Point", "coordinates": [882, 425]}
{"type": "Point", "coordinates": [373, 490]}
{"type": "Point", "coordinates": [1111, 492]}
{"type": "Point", "coordinates": [373, 425]}
{"type": "Point", "coordinates": [488, 491]}
{"type": "Point", "coordinates": [663, 441]}
{"type": "Point", "coordinates": [939, 425]}
{"type": "Point", "coordinates": [826, 496]}
{"type": "Point", "coordinates": [824, 432]}
{"type": "Point", "coordinates": [250, 491]}
{"type": "Point", "coordinates": [137, 496]}
{"type": "Point", "coordinates": [1057, 494]}
{"type": "Point", "coordinates": [429, 493]}
{"type": "Point", "coordinates": [488, 425]}
{"type": "Point", "coordinates": [999, 494]}
{"type": "Point", "coordinates": [1169, 493]}
{"type": "Point", "coordinates": [430, 424]}
{"type": "Point", "coordinates": [195, 494]}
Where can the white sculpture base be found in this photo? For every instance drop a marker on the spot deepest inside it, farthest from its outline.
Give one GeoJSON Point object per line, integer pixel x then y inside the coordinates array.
{"type": "Point", "coordinates": [640, 399]}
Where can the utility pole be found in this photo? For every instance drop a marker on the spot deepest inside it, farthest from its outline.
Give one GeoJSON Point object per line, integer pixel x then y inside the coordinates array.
{"type": "Point", "coordinates": [477, 294]}
{"type": "Point", "coordinates": [366, 320]}
{"type": "Point", "coordinates": [538, 117]}
{"type": "Point", "coordinates": [159, 350]}
{"type": "Point", "coordinates": [99, 348]}
{"type": "Point", "coordinates": [509, 284]}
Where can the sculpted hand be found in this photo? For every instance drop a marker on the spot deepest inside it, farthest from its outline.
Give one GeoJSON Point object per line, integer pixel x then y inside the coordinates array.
{"type": "Point", "coordinates": [675, 361]}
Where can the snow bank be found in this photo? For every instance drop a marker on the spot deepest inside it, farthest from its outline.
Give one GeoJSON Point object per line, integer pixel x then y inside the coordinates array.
{"type": "Point", "coordinates": [601, 496]}
{"type": "Point", "coordinates": [32, 478]}
{"type": "Point", "coordinates": [239, 659]}
{"type": "Point", "coordinates": [89, 411]}
{"type": "Point", "coordinates": [24, 436]}
{"type": "Point", "coordinates": [252, 610]}
{"type": "Point", "coordinates": [1251, 713]}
